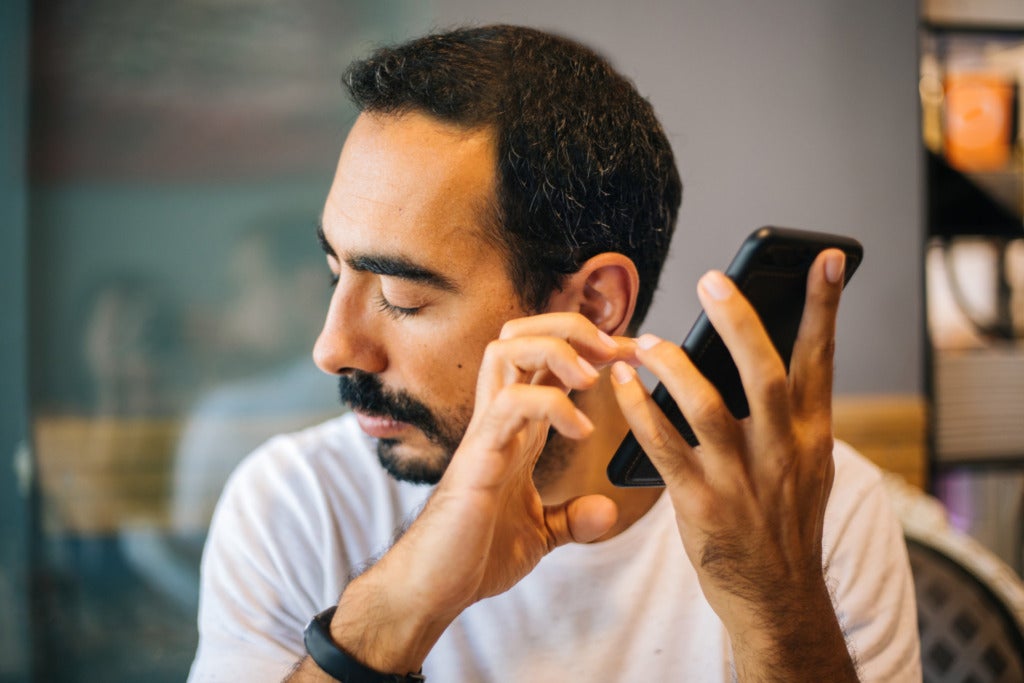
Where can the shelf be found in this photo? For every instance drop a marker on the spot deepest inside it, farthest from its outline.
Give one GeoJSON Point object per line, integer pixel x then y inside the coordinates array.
{"type": "Point", "coordinates": [978, 405]}
{"type": "Point", "coordinates": [974, 15]}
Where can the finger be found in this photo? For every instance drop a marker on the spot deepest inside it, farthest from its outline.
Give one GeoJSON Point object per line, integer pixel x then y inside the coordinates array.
{"type": "Point", "coordinates": [696, 396]}
{"type": "Point", "coordinates": [760, 367]}
{"type": "Point", "coordinates": [627, 352]}
{"type": "Point", "coordinates": [668, 451]}
{"type": "Point", "coordinates": [811, 368]}
{"type": "Point", "coordinates": [517, 405]}
{"type": "Point", "coordinates": [521, 359]}
{"type": "Point", "coordinates": [579, 520]}
{"type": "Point", "coordinates": [589, 340]}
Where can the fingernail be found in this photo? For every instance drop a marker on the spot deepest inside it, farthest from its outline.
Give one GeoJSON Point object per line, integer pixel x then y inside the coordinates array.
{"type": "Point", "coordinates": [606, 339]}
{"type": "Point", "coordinates": [622, 373]}
{"type": "Point", "coordinates": [647, 341]}
{"type": "Point", "coordinates": [588, 369]}
{"type": "Point", "coordinates": [714, 283]}
{"type": "Point", "coordinates": [835, 264]}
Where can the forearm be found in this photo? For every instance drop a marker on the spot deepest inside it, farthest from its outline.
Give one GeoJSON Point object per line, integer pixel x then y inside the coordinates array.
{"type": "Point", "coordinates": [306, 671]}
{"type": "Point", "coordinates": [380, 628]}
{"type": "Point", "coordinates": [398, 648]}
{"type": "Point", "coordinates": [797, 640]}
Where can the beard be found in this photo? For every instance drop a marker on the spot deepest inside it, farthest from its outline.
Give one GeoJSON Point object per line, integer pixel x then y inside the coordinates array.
{"type": "Point", "coordinates": [366, 394]}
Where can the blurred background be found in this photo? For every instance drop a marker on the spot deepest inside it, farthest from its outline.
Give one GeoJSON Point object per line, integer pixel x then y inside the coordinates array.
{"type": "Point", "coordinates": [163, 166]}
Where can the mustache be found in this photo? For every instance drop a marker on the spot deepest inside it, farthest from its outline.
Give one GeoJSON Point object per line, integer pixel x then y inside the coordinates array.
{"type": "Point", "coordinates": [365, 393]}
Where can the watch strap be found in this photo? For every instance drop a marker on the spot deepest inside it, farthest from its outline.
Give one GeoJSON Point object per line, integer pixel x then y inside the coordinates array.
{"type": "Point", "coordinates": [339, 664]}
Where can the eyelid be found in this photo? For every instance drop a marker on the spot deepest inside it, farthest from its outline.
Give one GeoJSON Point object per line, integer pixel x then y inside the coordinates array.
{"type": "Point", "coordinates": [416, 295]}
{"type": "Point", "coordinates": [397, 312]}
{"type": "Point", "coordinates": [383, 303]}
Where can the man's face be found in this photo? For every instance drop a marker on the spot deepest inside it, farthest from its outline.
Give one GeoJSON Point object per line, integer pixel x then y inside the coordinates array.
{"type": "Point", "coordinates": [420, 290]}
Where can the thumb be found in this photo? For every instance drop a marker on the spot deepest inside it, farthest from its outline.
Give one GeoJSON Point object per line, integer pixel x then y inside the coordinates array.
{"type": "Point", "coordinates": [580, 520]}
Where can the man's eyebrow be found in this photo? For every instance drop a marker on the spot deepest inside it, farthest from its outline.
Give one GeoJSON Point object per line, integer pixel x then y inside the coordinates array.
{"type": "Point", "coordinates": [391, 266]}
{"type": "Point", "coordinates": [401, 267]}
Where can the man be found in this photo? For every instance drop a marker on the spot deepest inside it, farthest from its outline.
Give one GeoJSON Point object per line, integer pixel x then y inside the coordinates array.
{"type": "Point", "coordinates": [499, 216]}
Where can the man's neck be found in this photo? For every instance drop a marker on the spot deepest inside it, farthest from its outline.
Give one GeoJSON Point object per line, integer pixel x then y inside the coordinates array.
{"type": "Point", "coordinates": [586, 464]}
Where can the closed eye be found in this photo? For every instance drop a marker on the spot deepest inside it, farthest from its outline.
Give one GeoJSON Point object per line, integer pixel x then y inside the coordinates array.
{"type": "Point", "coordinates": [397, 312]}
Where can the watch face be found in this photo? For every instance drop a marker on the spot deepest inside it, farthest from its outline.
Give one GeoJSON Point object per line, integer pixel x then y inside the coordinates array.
{"type": "Point", "coordinates": [978, 109]}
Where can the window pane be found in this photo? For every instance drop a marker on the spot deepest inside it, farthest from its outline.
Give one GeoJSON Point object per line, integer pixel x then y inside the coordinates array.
{"type": "Point", "coordinates": [180, 155]}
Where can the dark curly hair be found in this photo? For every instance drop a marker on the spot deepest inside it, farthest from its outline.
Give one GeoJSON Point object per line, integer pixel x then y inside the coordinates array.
{"type": "Point", "coordinates": [584, 167]}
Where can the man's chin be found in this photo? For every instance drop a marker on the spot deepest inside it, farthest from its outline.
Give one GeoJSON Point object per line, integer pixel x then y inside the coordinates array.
{"type": "Point", "coordinates": [414, 465]}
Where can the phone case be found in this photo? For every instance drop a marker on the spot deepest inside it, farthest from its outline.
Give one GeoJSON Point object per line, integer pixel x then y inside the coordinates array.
{"type": "Point", "coordinates": [770, 269]}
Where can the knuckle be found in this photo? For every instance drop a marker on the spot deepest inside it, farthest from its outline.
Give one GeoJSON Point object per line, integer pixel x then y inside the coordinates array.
{"type": "Point", "coordinates": [493, 349]}
{"type": "Point", "coordinates": [660, 439]}
{"type": "Point", "coordinates": [509, 329]}
{"type": "Point", "coordinates": [773, 385]}
{"type": "Point", "coordinates": [826, 351]}
{"type": "Point", "coordinates": [504, 400]}
{"type": "Point", "coordinates": [708, 409]}
{"type": "Point", "coordinates": [664, 355]}
{"type": "Point", "coordinates": [560, 347]}
{"type": "Point", "coordinates": [823, 444]}
{"type": "Point", "coordinates": [576, 319]}
{"type": "Point", "coordinates": [746, 322]}
{"type": "Point", "coordinates": [825, 296]}
{"type": "Point", "coordinates": [632, 401]}
{"type": "Point", "coordinates": [529, 399]}
{"type": "Point", "coordinates": [766, 376]}
{"type": "Point", "coordinates": [518, 394]}
{"type": "Point", "coordinates": [558, 527]}
{"type": "Point", "coordinates": [546, 395]}
{"type": "Point", "coordinates": [701, 504]}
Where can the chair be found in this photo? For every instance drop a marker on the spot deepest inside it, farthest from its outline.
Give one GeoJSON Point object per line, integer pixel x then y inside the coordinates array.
{"type": "Point", "coordinates": [970, 605]}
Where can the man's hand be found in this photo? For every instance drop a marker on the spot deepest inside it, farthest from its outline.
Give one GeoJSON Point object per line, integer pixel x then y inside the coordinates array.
{"type": "Point", "coordinates": [485, 527]}
{"type": "Point", "coordinates": [750, 499]}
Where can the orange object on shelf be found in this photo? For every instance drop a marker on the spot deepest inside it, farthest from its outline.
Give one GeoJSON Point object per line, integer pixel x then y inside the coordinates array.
{"type": "Point", "coordinates": [979, 110]}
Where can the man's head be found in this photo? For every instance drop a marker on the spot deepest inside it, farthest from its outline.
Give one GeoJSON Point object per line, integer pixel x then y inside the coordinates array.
{"type": "Point", "coordinates": [583, 164]}
{"type": "Point", "coordinates": [494, 173]}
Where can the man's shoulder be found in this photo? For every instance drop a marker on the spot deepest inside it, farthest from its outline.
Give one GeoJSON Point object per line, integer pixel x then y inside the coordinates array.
{"type": "Point", "coordinates": [296, 517]}
{"type": "Point", "coordinates": [853, 469]}
{"type": "Point", "coordinates": [331, 467]}
{"type": "Point", "coordinates": [858, 499]}
{"type": "Point", "coordinates": [323, 482]}
{"type": "Point", "coordinates": [329, 464]}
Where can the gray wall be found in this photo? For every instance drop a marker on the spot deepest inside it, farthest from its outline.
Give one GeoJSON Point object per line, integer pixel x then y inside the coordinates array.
{"type": "Point", "coordinates": [799, 113]}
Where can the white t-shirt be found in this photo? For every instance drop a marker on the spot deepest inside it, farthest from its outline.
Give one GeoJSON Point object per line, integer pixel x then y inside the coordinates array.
{"type": "Point", "coordinates": [306, 510]}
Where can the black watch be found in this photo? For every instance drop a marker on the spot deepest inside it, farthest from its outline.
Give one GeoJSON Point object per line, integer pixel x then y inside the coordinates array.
{"type": "Point", "coordinates": [339, 664]}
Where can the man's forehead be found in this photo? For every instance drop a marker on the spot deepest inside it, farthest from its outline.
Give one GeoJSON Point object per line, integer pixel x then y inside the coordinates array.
{"type": "Point", "coordinates": [411, 182]}
{"type": "Point", "coordinates": [419, 140]}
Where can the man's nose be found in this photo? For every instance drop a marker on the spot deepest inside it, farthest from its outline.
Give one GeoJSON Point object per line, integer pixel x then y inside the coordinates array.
{"type": "Point", "coordinates": [347, 341]}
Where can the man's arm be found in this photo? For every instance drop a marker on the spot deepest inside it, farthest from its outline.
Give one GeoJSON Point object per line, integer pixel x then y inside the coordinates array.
{"type": "Point", "coordinates": [485, 526]}
{"type": "Point", "coordinates": [750, 500]}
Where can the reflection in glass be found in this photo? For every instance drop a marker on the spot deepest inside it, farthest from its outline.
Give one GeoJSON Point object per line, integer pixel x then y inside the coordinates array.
{"type": "Point", "coordinates": [179, 157]}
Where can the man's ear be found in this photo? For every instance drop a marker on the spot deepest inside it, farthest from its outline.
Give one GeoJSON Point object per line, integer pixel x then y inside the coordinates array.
{"type": "Point", "coordinates": [604, 290]}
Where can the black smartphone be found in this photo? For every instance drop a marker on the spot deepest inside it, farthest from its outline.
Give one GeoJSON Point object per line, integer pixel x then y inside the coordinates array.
{"type": "Point", "coordinates": [770, 269]}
